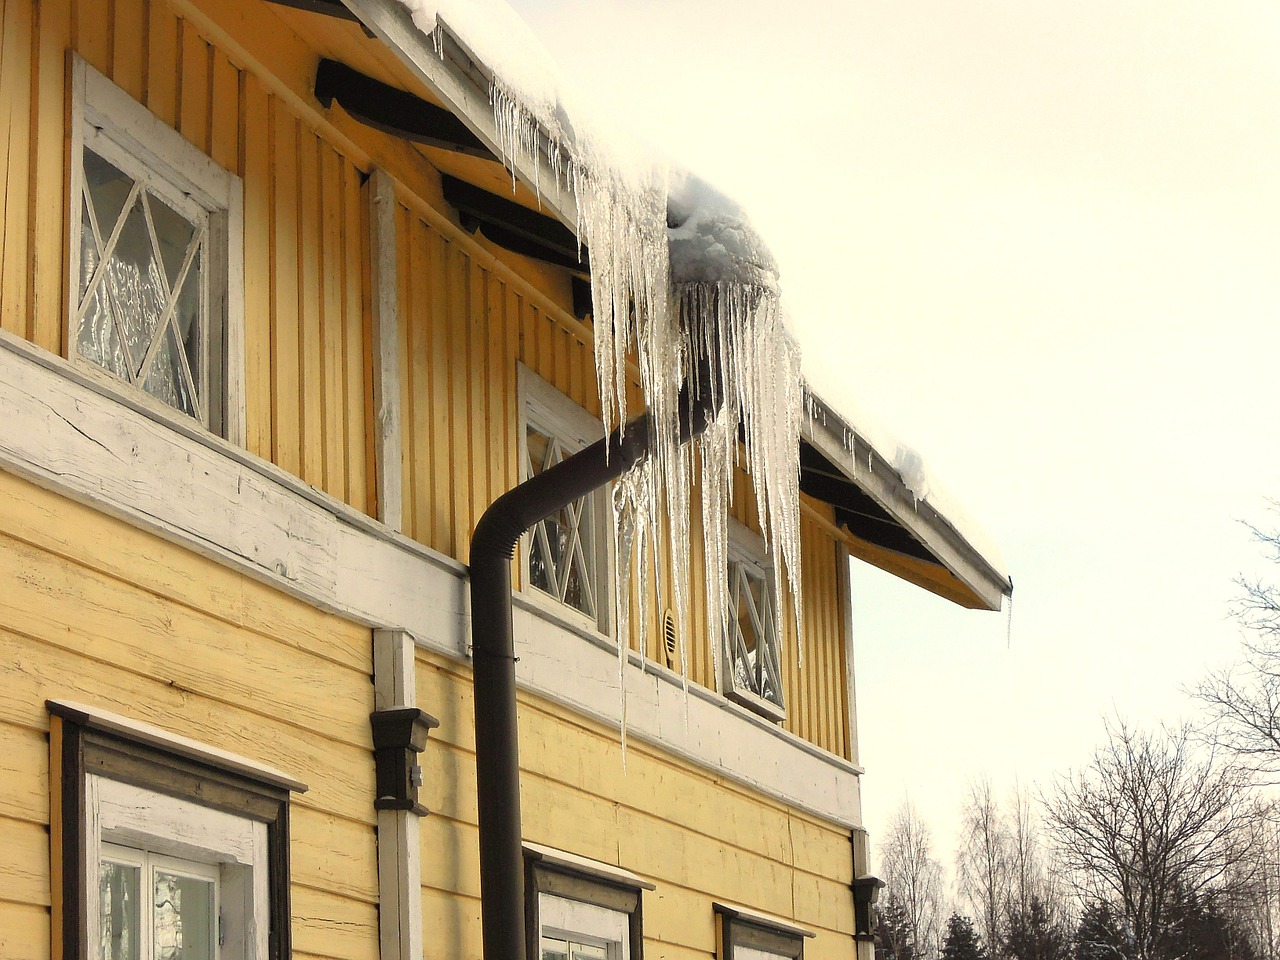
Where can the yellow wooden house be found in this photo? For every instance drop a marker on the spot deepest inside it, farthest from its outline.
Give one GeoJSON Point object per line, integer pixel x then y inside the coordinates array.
{"type": "Point", "coordinates": [276, 328]}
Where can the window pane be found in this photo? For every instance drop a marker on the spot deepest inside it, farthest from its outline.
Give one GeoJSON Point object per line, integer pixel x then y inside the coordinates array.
{"type": "Point", "coordinates": [96, 339]}
{"type": "Point", "coordinates": [553, 949]}
{"type": "Point", "coordinates": [166, 380]}
{"type": "Point", "coordinates": [134, 285]}
{"type": "Point", "coordinates": [128, 287]}
{"type": "Point", "coordinates": [753, 643]}
{"type": "Point", "coordinates": [174, 233]}
{"type": "Point", "coordinates": [119, 893]}
{"type": "Point", "coordinates": [538, 445]}
{"type": "Point", "coordinates": [187, 317]}
{"type": "Point", "coordinates": [183, 917]}
{"type": "Point", "coordinates": [587, 951]}
{"type": "Point", "coordinates": [109, 188]}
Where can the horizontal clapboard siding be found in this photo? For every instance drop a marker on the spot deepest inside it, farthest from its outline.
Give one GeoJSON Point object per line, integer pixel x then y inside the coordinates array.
{"type": "Point", "coordinates": [699, 839]}
{"type": "Point", "coordinates": [96, 611]}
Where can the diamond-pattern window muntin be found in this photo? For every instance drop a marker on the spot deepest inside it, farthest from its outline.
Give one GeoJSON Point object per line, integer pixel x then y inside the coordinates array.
{"type": "Point", "coordinates": [142, 305]}
{"type": "Point", "coordinates": [563, 554]}
{"type": "Point", "coordinates": [753, 633]}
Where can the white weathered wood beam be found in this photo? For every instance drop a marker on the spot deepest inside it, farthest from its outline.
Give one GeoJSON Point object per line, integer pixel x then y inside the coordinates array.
{"type": "Point", "coordinates": [850, 675]}
{"type": "Point", "coordinates": [386, 350]}
{"type": "Point", "coordinates": [399, 834]}
{"type": "Point", "coordinates": [161, 472]}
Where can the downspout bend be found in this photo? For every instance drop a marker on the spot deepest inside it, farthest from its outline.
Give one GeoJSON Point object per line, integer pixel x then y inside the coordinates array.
{"type": "Point", "coordinates": [493, 544]}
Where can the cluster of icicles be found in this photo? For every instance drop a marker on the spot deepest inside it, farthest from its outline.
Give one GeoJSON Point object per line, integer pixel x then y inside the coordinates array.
{"type": "Point", "coordinates": [680, 322]}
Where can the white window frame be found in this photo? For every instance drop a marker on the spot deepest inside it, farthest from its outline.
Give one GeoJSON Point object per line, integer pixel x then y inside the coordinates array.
{"type": "Point", "coordinates": [121, 818]}
{"type": "Point", "coordinates": [107, 120]}
{"type": "Point", "coordinates": [146, 863]}
{"type": "Point", "coordinates": [545, 408]}
{"type": "Point", "coordinates": [746, 547]}
{"type": "Point", "coordinates": [586, 923]}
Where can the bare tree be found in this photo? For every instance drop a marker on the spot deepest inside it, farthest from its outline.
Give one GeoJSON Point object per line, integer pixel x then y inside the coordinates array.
{"type": "Point", "coordinates": [1147, 822]}
{"type": "Point", "coordinates": [913, 878]}
{"type": "Point", "coordinates": [984, 861]}
{"type": "Point", "coordinates": [1254, 882]}
{"type": "Point", "coordinates": [1244, 701]}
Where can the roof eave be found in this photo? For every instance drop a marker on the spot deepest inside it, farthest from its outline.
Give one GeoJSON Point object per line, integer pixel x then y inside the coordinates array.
{"type": "Point", "coordinates": [460, 81]}
{"type": "Point", "coordinates": [977, 582]}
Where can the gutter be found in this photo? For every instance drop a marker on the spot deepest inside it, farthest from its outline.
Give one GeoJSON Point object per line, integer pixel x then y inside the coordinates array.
{"type": "Point", "coordinates": [493, 544]}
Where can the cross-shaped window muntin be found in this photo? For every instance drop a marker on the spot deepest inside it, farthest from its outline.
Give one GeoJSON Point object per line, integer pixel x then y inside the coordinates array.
{"type": "Point", "coordinates": [562, 557]}
{"type": "Point", "coordinates": [133, 303]}
{"type": "Point", "coordinates": [753, 633]}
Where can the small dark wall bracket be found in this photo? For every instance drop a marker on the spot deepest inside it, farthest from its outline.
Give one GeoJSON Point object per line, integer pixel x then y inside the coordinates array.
{"type": "Point", "coordinates": [866, 891]}
{"type": "Point", "coordinates": [399, 735]}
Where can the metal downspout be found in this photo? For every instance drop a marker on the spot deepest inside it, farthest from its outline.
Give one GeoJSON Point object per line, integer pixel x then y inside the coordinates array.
{"type": "Point", "coordinates": [493, 656]}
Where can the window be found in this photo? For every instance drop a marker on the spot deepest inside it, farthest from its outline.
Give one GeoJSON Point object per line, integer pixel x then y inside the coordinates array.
{"type": "Point", "coordinates": [566, 556]}
{"type": "Point", "coordinates": [751, 668]}
{"type": "Point", "coordinates": [153, 300]}
{"type": "Point", "coordinates": [581, 909]}
{"type": "Point", "coordinates": [745, 934]}
{"type": "Point", "coordinates": [168, 850]}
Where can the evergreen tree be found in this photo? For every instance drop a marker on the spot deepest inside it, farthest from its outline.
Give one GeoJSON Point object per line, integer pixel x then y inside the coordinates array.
{"type": "Point", "coordinates": [962, 941]}
{"type": "Point", "coordinates": [1200, 929]}
{"type": "Point", "coordinates": [893, 931]}
{"type": "Point", "coordinates": [1034, 934]}
{"type": "Point", "coordinates": [1100, 934]}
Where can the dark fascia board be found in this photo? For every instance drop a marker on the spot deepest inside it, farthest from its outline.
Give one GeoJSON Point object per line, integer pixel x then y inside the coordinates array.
{"type": "Point", "coordinates": [515, 227]}
{"type": "Point", "coordinates": [394, 111]}
{"type": "Point", "coordinates": [328, 8]}
{"type": "Point", "coordinates": [866, 467]}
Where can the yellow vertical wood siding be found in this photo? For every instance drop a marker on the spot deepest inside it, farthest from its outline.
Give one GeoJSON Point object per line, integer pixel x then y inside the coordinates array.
{"type": "Point", "coordinates": [306, 269]}
{"type": "Point", "coordinates": [466, 319]}
{"type": "Point", "coordinates": [97, 611]}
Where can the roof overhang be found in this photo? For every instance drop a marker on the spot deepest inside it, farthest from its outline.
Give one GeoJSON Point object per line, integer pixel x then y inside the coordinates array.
{"type": "Point", "coordinates": [887, 525]}
{"type": "Point", "coordinates": [460, 80]}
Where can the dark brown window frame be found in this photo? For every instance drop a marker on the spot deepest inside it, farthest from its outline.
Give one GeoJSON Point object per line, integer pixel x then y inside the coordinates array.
{"type": "Point", "coordinates": [83, 743]}
{"type": "Point", "coordinates": [738, 927]}
{"type": "Point", "coordinates": [575, 880]}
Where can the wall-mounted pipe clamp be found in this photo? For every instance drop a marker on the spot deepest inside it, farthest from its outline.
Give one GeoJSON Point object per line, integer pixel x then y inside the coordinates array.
{"type": "Point", "coordinates": [399, 735]}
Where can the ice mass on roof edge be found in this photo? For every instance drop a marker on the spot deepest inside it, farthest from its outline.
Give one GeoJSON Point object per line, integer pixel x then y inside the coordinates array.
{"type": "Point", "coordinates": [678, 275]}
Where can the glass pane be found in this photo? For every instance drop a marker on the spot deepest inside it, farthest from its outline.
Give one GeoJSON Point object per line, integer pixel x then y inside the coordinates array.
{"type": "Point", "coordinates": [580, 590]}
{"type": "Point", "coordinates": [538, 444]}
{"type": "Point", "coordinates": [190, 322]}
{"type": "Point", "coordinates": [119, 895]}
{"type": "Point", "coordinates": [546, 559]}
{"type": "Point", "coordinates": [183, 917]}
{"type": "Point", "coordinates": [166, 380]}
{"type": "Point", "coordinates": [134, 285]}
{"type": "Point", "coordinates": [109, 188]}
{"type": "Point", "coordinates": [553, 949]}
{"type": "Point", "coordinates": [174, 233]}
{"type": "Point", "coordinates": [96, 338]}
{"type": "Point", "coordinates": [587, 951]}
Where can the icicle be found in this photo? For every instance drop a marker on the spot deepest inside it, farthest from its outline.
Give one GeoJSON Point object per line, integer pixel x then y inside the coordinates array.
{"type": "Point", "coordinates": [699, 305]}
{"type": "Point", "coordinates": [1008, 619]}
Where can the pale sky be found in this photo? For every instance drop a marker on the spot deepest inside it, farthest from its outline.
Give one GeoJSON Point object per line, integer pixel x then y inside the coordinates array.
{"type": "Point", "coordinates": [1039, 241]}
